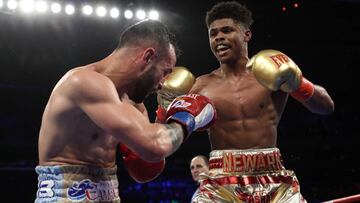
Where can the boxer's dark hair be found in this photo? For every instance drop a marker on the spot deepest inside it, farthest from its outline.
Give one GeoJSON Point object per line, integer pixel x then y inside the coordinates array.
{"type": "Point", "coordinates": [230, 9]}
{"type": "Point", "coordinates": [151, 31]}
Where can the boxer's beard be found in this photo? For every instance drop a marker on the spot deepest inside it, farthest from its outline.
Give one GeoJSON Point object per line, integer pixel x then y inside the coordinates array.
{"type": "Point", "coordinates": [144, 86]}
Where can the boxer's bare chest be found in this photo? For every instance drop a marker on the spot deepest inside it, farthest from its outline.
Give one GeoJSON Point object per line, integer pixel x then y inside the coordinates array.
{"type": "Point", "coordinates": [238, 99]}
{"type": "Point", "coordinates": [80, 130]}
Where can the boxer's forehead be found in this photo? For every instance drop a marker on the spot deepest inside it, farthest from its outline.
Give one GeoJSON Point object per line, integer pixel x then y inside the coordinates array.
{"type": "Point", "coordinates": [170, 59]}
{"type": "Point", "coordinates": [223, 23]}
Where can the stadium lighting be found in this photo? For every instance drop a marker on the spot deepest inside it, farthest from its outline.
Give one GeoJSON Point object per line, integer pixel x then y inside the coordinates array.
{"type": "Point", "coordinates": [26, 6]}
{"type": "Point", "coordinates": [101, 11]}
{"type": "Point", "coordinates": [114, 13]}
{"type": "Point", "coordinates": [140, 14]}
{"type": "Point", "coordinates": [12, 4]}
{"type": "Point", "coordinates": [41, 6]}
{"type": "Point", "coordinates": [69, 9]}
{"type": "Point", "coordinates": [87, 10]}
{"type": "Point", "coordinates": [55, 8]}
{"type": "Point", "coordinates": [153, 15]}
{"type": "Point", "coordinates": [128, 14]}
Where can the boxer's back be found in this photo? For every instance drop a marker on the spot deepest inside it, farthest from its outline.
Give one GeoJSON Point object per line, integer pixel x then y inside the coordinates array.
{"type": "Point", "coordinates": [68, 135]}
{"type": "Point", "coordinates": [248, 114]}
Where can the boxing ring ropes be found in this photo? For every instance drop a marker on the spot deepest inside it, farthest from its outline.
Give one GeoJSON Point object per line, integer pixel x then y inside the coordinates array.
{"type": "Point", "coordinates": [352, 198]}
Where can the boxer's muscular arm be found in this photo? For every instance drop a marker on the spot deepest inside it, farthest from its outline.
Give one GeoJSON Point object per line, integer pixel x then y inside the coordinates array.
{"type": "Point", "coordinates": [320, 102]}
{"type": "Point", "coordinates": [141, 107]}
{"type": "Point", "coordinates": [98, 98]}
{"type": "Point", "coordinates": [274, 70]}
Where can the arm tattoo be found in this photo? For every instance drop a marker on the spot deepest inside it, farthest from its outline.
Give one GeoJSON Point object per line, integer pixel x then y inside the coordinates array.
{"type": "Point", "coordinates": [176, 134]}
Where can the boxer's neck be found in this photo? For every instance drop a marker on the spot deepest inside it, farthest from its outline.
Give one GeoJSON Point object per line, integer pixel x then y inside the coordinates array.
{"type": "Point", "coordinates": [236, 68]}
{"type": "Point", "coordinates": [121, 66]}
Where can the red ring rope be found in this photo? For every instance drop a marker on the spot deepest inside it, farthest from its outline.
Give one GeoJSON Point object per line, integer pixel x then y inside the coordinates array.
{"type": "Point", "coordinates": [352, 198]}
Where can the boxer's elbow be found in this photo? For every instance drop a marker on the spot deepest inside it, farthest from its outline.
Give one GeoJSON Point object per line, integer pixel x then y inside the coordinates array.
{"type": "Point", "coordinates": [323, 108]}
{"type": "Point", "coordinates": [154, 152]}
{"type": "Point", "coordinates": [329, 107]}
{"type": "Point", "coordinates": [156, 148]}
{"type": "Point", "coordinates": [321, 102]}
{"type": "Point", "coordinates": [154, 155]}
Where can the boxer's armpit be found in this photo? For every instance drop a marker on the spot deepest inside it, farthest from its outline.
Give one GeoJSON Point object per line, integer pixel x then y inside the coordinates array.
{"type": "Point", "coordinates": [176, 135]}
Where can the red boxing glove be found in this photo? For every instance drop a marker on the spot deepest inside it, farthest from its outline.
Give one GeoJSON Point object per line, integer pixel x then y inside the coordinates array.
{"type": "Point", "coordinates": [192, 111]}
{"type": "Point", "coordinates": [161, 114]}
{"type": "Point", "coordinates": [304, 92]}
{"type": "Point", "coordinates": [140, 170]}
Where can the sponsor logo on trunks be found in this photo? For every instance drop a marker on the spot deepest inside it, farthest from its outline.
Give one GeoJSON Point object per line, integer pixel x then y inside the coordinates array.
{"type": "Point", "coordinates": [45, 189]}
{"type": "Point", "coordinates": [252, 162]}
{"type": "Point", "coordinates": [86, 189]}
{"type": "Point", "coordinates": [256, 197]}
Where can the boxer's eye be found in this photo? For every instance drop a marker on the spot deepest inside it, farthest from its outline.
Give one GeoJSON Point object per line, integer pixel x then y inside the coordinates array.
{"type": "Point", "coordinates": [213, 33]}
{"type": "Point", "coordinates": [226, 30]}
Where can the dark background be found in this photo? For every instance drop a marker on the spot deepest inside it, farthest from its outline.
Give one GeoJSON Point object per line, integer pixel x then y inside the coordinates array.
{"type": "Point", "coordinates": [322, 37]}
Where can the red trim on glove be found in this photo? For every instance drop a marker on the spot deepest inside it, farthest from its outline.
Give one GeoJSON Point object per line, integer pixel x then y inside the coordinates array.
{"type": "Point", "coordinates": [304, 92]}
{"type": "Point", "coordinates": [161, 114]}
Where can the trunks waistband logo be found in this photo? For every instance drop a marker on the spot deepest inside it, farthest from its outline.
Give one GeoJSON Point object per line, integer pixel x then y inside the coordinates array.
{"type": "Point", "coordinates": [252, 162]}
{"type": "Point", "coordinates": [86, 189]}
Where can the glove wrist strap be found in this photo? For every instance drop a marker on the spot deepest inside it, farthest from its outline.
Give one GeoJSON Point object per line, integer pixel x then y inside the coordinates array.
{"type": "Point", "coordinates": [186, 120]}
{"type": "Point", "coordinates": [304, 92]}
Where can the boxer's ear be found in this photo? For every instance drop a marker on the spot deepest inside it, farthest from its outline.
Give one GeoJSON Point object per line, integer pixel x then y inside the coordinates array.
{"type": "Point", "coordinates": [148, 55]}
{"type": "Point", "coordinates": [248, 35]}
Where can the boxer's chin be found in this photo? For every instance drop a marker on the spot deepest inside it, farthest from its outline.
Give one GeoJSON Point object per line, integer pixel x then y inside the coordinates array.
{"type": "Point", "coordinates": [141, 96]}
{"type": "Point", "coordinates": [138, 98]}
{"type": "Point", "coordinates": [151, 92]}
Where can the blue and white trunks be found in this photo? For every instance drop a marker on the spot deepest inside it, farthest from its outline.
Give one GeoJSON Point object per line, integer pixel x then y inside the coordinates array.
{"type": "Point", "coordinates": [76, 183]}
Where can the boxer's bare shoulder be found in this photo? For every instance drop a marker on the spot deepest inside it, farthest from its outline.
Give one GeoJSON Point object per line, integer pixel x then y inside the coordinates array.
{"type": "Point", "coordinates": [206, 80]}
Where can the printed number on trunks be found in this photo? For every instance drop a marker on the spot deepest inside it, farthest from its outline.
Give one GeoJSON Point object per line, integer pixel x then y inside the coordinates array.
{"type": "Point", "coordinates": [45, 189]}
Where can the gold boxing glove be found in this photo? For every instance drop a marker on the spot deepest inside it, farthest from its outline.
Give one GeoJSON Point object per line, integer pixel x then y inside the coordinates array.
{"type": "Point", "coordinates": [274, 70]}
{"type": "Point", "coordinates": [178, 82]}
